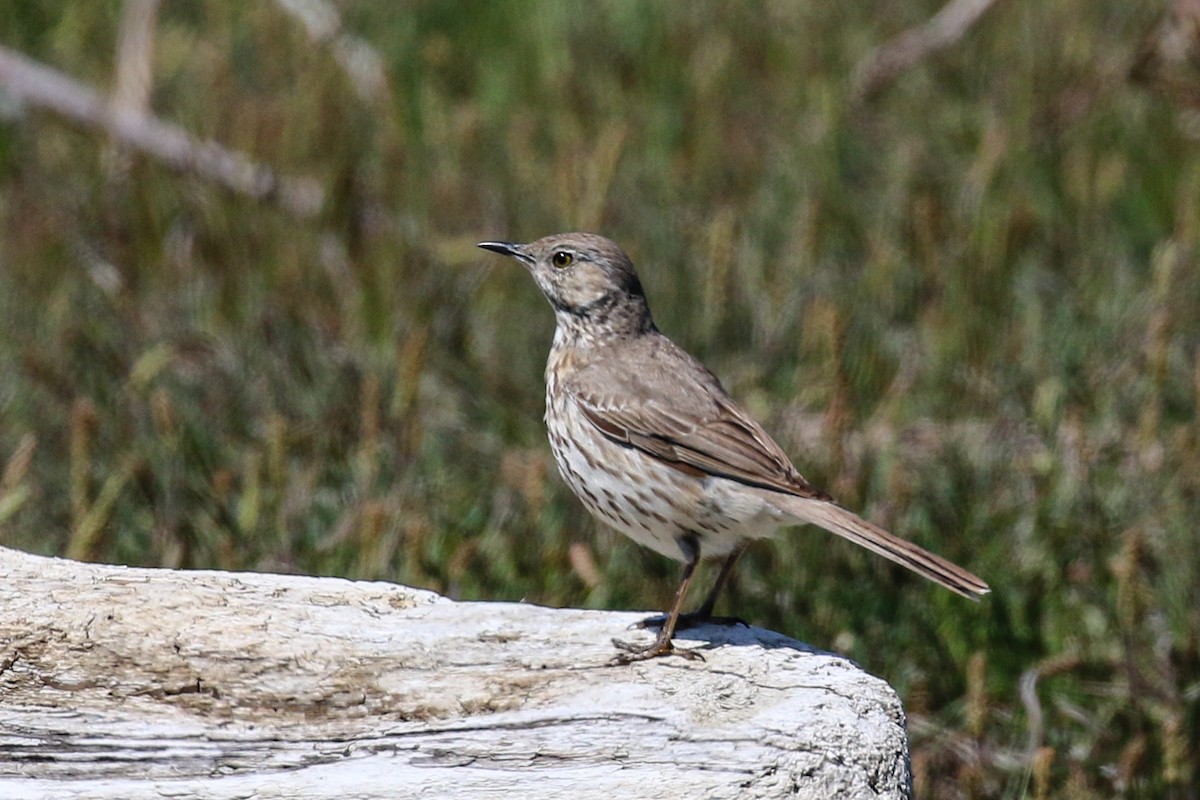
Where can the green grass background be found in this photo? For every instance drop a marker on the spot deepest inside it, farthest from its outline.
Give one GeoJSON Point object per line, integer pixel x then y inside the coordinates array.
{"type": "Point", "coordinates": [969, 307]}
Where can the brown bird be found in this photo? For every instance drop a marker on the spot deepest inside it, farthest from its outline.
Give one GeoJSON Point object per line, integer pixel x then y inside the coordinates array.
{"type": "Point", "coordinates": [653, 445]}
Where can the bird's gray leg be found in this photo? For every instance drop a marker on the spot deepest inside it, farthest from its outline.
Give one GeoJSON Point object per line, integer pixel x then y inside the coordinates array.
{"type": "Point", "coordinates": [704, 614]}
{"type": "Point", "coordinates": [662, 643]}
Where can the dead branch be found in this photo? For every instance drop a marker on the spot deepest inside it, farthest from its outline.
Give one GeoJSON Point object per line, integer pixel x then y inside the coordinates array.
{"type": "Point", "coordinates": [361, 62]}
{"type": "Point", "coordinates": [135, 56]}
{"type": "Point", "coordinates": [880, 69]}
{"type": "Point", "coordinates": [40, 86]}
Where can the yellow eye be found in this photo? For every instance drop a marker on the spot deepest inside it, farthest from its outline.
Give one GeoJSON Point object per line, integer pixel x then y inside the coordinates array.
{"type": "Point", "coordinates": [562, 259]}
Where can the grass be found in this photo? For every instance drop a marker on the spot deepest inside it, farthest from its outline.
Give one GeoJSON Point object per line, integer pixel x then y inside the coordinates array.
{"type": "Point", "coordinates": [969, 308]}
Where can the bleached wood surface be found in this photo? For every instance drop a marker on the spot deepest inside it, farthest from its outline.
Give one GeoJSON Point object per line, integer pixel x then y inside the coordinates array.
{"type": "Point", "coordinates": [140, 683]}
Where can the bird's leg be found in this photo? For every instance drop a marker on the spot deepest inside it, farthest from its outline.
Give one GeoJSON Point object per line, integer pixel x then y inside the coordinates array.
{"type": "Point", "coordinates": [662, 645]}
{"type": "Point", "coordinates": [704, 614]}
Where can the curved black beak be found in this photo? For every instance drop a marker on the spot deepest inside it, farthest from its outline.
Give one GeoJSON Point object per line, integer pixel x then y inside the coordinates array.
{"type": "Point", "coordinates": [509, 248]}
{"type": "Point", "coordinates": [503, 248]}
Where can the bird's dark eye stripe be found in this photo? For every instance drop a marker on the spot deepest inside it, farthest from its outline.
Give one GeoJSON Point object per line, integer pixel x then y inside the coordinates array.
{"type": "Point", "coordinates": [562, 258]}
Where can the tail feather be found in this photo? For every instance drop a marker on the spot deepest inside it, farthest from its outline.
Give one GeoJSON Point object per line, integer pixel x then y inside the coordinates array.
{"type": "Point", "coordinates": [849, 525]}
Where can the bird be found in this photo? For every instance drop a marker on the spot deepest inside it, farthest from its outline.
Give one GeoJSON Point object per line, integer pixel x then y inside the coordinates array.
{"type": "Point", "coordinates": [653, 445]}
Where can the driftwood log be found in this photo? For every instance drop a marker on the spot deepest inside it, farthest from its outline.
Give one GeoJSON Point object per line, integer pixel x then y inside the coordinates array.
{"type": "Point", "coordinates": [137, 683]}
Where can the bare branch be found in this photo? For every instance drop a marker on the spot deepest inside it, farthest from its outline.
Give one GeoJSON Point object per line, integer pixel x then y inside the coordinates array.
{"type": "Point", "coordinates": [1166, 61]}
{"type": "Point", "coordinates": [43, 87]}
{"type": "Point", "coordinates": [135, 56]}
{"type": "Point", "coordinates": [361, 62]}
{"type": "Point", "coordinates": [134, 73]}
{"type": "Point", "coordinates": [878, 70]}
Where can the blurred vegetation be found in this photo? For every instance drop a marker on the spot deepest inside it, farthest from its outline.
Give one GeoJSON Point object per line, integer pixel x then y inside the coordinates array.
{"type": "Point", "coordinates": [968, 306]}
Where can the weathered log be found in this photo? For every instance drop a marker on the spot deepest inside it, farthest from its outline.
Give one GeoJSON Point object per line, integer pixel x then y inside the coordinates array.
{"type": "Point", "coordinates": [137, 683]}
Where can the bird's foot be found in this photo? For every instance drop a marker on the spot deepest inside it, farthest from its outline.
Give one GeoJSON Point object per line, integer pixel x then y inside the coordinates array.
{"type": "Point", "coordinates": [662, 646]}
{"type": "Point", "coordinates": [692, 619]}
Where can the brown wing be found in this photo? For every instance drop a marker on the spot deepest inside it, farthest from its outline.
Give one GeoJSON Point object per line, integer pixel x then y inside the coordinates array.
{"type": "Point", "coordinates": [663, 402]}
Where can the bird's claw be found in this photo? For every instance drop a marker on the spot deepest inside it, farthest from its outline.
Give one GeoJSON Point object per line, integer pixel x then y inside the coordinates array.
{"type": "Point", "coordinates": [632, 653]}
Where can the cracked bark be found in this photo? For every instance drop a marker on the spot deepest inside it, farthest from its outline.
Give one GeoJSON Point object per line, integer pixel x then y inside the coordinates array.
{"type": "Point", "coordinates": [132, 683]}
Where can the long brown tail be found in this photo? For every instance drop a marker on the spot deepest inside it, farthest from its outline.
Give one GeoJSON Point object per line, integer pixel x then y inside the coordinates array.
{"type": "Point", "coordinates": [836, 519]}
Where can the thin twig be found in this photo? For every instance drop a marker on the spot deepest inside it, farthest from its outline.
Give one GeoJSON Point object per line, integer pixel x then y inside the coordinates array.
{"type": "Point", "coordinates": [360, 61]}
{"type": "Point", "coordinates": [38, 85]}
{"type": "Point", "coordinates": [135, 56]}
{"type": "Point", "coordinates": [1165, 63]}
{"type": "Point", "coordinates": [878, 70]}
{"type": "Point", "coordinates": [134, 72]}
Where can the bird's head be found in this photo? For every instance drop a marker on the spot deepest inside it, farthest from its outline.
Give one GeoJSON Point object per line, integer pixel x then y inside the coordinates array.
{"type": "Point", "coordinates": [587, 279]}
